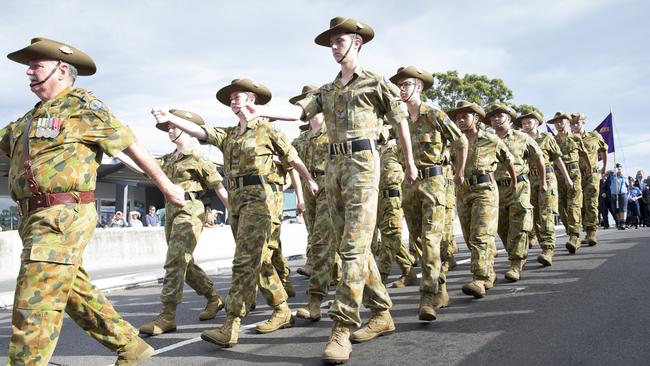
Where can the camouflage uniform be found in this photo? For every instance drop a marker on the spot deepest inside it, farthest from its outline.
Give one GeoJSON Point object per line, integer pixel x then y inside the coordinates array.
{"type": "Point", "coordinates": [51, 278]}
{"type": "Point", "coordinates": [432, 133]}
{"type": "Point", "coordinates": [183, 226]}
{"type": "Point", "coordinates": [314, 153]}
{"type": "Point", "coordinates": [478, 202]}
{"type": "Point", "coordinates": [448, 244]}
{"type": "Point", "coordinates": [247, 163]}
{"type": "Point", "coordinates": [545, 203]}
{"type": "Point", "coordinates": [515, 210]}
{"type": "Point", "coordinates": [570, 200]}
{"type": "Point", "coordinates": [353, 115]}
{"type": "Point", "coordinates": [593, 143]}
{"type": "Point", "coordinates": [301, 144]}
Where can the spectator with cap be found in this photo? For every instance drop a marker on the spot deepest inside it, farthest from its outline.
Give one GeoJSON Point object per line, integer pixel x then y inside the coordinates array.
{"type": "Point", "coordinates": [118, 220]}
{"type": "Point", "coordinates": [134, 219]}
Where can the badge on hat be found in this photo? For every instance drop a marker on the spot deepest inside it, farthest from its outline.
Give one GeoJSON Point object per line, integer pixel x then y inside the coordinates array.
{"type": "Point", "coordinates": [66, 50]}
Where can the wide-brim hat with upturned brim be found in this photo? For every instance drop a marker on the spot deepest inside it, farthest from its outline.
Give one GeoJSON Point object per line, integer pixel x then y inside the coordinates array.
{"type": "Point", "coordinates": [186, 115]}
{"type": "Point", "coordinates": [558, 117]}
{"type": "Point", "coordinates": [262, 93]}
{"type": "Point", "coordinates": [465, 106]}
{"type": "Point", "coordinates": [529, 114]}
{"type": "Point", "coordinates": [496, 108]}
{"type": "Point", "coordinates": [342, 25]}
{"type": "Point", "coordinates": [42, 48]}
{"type": "Point", "coordinates": [413, 72]}
{"type": "Point", "coordinates": [577, 116]}
{"type": "Point", "coordinates": [306, 90]}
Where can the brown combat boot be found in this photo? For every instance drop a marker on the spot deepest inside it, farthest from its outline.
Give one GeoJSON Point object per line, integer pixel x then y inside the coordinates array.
{"type": "Point", "coordinates": [379, 324]}
{"type": "Point", "coordinates": [532, 242]}
{"type": "Point", "coordinates": [590, 239]}
{"type": "Point", "coordinates": [305, 271]}
{"type": "Point", "coordinates": [214, 305]}
{"type": "Point", "coordinates": [163, 323]}
{"type": "Point", "coordinates": [492, 278]}
{"type": "Point", "coordinates": [338, 347]}
{"type": "Point", "coordinates": [515, 270]}
{"type": "Point", "coordinates": [573, 244]}
{"type": "Point", "coordinates": [441, 299]}
{"type": "Point", "coordinates": [312, 310]}
{"type": "Point", "coordinates": [134, 353]}
{"type": "Point", "coordinates": [288, 287]}
{"type": "Point", "coordinates": [225, 335]}
{"type": "Point", "coordinates": [474, 288]}
{"type": "Point", "coordinates": [427, 308]}
{"type": "Point", "coordinates": [546, 257]}
{"type": "Point", "coordinates": [408, 278]}
{"type": "Point", "coordinates": [281, 318]}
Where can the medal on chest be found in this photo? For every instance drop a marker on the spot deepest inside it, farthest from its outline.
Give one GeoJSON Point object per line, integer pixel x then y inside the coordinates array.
{"type": "Point", "coordinates": [48, 127]}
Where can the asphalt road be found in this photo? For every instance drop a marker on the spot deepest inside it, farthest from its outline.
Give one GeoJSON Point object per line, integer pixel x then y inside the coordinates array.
{"type": "Point", "coordinates": [591, 308]}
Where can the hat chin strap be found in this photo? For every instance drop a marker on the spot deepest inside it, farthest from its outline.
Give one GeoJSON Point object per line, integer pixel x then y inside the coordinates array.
{"type": "Point", "coordinates": [49, 76]}
{"type": "Point", "coordinates": [347, 52]}
{"type": "Point", "coordinates": [177, 137]}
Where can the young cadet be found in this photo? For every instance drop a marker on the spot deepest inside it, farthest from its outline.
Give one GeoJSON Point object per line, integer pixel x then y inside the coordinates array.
{"type": "Point", "coordinates": [570, 199]}
{"type": "Point", "coordinates": [544, 202]}
{"type": "Point", "coordinates": [478, 196]}
{"type": "Point", "coordinates": [515, 210]}
{"type": "Point", "coordinates": [354, 105]}
{"type": "Point", "coordinates": [248, 149]}
{"type": "Point", "coordinates": [432, 134]}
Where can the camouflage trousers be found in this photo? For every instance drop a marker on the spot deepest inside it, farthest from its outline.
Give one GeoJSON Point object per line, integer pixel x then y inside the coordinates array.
{"type": "Point", "coordinates": [448, 243]}
{"type": "Point", "coordinates": [278, 260]}
{"type": "Point", "coordinates": [183, 226]}
{"type": "Point", "coordinates": [323, 247]}
{"type": "Point", "coordinates": [515, 219]}
{"type": "Point", "coordinates": [424, 208]}
{"type": "Point", "coordinates": [590, 191]}
{"type": "Point", "coordinates": [352, 191]}
{"type": "Point", "coordinates": [570, 201]}
{"type": "Point", "coordinates": [251, 223]}
{"type": "Point", "coordinates": [51, 280]}
{"type": "Point", "coordinates": [478, 212]}
{"type": "Point", "coordinates": [544, 209]}
{"type": "Point", "coordinates": [387, 238]}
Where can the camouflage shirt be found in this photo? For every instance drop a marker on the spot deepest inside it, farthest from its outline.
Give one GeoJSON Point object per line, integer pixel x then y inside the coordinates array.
{"type": "Point", "coordinates": [279, 171]}
{"type": "Point", "coordinates": [313, 149]}
{"type": "Point", "coordinates": [523, 149]}
{"type": "Point", "coordinates": [549, 148]}
{"type": "Point", "coordinates": [250, 152]}
{"type": "Point", "coordinates": [68, 161]}
{"type": "Point", "coordinates": [571, 148]}
{"type": "Point", "coordinates": [355, 111]}
{"type": "Point", "coordinates": [484, 154]}
{"type": "Point", "coordinates": [593, 143]}
{"type": "Point", "coordinates": [190, 170]}
{"type": "Point", "coordinates": [432, 135]}
{"type": "Point", "coordinates": [392, 173]}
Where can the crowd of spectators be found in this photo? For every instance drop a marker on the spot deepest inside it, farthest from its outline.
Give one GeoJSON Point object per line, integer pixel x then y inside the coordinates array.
{"type": "Point", "coordinates": [627, 199]}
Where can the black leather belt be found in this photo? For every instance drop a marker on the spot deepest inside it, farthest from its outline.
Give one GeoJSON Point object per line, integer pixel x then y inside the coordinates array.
{"type": "Point", "coordinates": [429, 172]}
{"type": "Point", "coordinates": [571, 165]}
{"type": "Point", "coordinates": [350, 147]}
{"type": "Point", "coordinates": [478, 179]}
{"type": "Point", "coordinates": [549, 169]}
{"type": "Point", "coordinates": [386, 193]}
{"type": "Point", "coordinates": [251, 180]}
{"type": "Point", "coordinates": [506, 182]}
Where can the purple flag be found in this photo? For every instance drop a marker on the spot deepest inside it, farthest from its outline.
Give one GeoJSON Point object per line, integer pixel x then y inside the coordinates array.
{"type": "Point", "coordinates": [548, 128]}
{"type": "Point", "coordinates": [606, 130]}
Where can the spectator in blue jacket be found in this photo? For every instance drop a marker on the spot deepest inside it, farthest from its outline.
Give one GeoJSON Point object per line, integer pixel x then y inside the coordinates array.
{"type": "Point", "coordinates": [619, 190]}
{"type": "Point", "coordinates": [633, 207]}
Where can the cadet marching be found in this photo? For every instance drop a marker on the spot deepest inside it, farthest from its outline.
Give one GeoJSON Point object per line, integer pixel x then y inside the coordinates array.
{"type": "Point", "coordinates": [371, 153]}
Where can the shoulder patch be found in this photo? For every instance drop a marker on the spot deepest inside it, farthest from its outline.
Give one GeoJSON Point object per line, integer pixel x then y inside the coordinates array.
{"type": "Point", "coordinates": [95, 105]}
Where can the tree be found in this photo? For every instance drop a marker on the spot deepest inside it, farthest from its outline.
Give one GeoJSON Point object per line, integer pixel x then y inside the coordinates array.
{"type": "Point", "coordinates": [448, 88]}
{"type": "Point", "coordinates": [526, 107]}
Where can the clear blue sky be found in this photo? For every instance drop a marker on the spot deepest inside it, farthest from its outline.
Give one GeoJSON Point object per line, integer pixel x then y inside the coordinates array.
{"type": "Point", "coordinates": [583, 55]}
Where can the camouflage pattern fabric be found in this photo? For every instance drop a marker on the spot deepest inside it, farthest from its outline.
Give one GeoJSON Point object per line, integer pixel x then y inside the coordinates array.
{"type": "Point", "coordinates": [355, 111]}
{"type": "Point", "coordinates": [278, 261]}
{"type": "Point", "coordinates": [183, 226]}
{"type": "Point", "coordinates": [51, 278]}
{"type": "Point", "coordinates": [478, 204]}
{"type": "Point", "coordinates": [515, 210]}
{"type": "Point", "coordinates": [593, 143]}
{"type": "Point", "coordinates": [251, 208]}
{"type": "Point", "coordinates": [545, 204]}
{"type": "Point", "coordinates": [448, 242]}
{"type": "Point", "coordinates": [570, 200]}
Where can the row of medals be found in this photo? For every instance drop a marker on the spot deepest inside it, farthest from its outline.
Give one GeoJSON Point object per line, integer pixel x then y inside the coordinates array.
{"type": "Point", "coordinates": [48, 127]}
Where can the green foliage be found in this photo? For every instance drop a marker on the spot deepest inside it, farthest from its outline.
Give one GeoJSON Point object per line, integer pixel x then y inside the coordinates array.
{"type": "Point", "coordinates": [449, 88]}
{"type": "Point", "coordinates": [526, 107]}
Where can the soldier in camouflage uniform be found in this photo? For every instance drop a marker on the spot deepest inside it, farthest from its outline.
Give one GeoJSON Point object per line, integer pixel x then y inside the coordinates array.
{"type": "Point", "coordinates": [354, 105]}
{"type": "Point", "coordinates": [54, 151]}
{"type": "Point", "coordinates": [448, 245]}
{"type": "Point", "coordinates": [596, 147]}
{"type": "Point", "coordinates": [390, 214]}
{"type": "Point", "coordinates": [188, 168]}
{"type": "Point", "coordinates": [478, 197]}
{"type": "Point", "coordinates": [300, 144]}
{"type": "Point", "coordinates": [544, 203]}
{"type": "Point", "coordinates": [248, 149]}
{"type": "Point", "coordinates": [432, 133]}
{"type": "Point", "coordinates": [515, 210]}
{"type": "Point", "coordinates": [570, 199]}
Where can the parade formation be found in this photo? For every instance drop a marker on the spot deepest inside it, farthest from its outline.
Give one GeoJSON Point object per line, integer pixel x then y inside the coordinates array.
{"type": "Point", "coordinates": [371, 155]}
